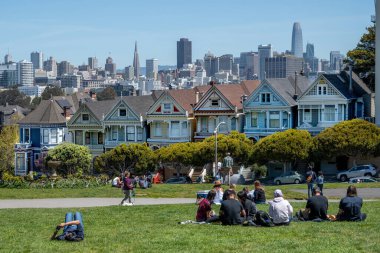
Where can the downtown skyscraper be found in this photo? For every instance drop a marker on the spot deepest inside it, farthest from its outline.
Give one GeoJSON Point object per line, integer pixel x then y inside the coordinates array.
{"type": "Point", "coordinates": [184, 52]}
{"type": "Point", "coordinates": [136, 63]}
{"type": "Point", "coordinates": [297, 43]}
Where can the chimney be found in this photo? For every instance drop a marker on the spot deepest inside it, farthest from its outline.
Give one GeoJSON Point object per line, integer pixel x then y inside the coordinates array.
{"type": "Point", "coordinates": [243, 98]}
{"type": "Point", "coordinates": [295, 85]}
{"type": "Point", "coordinates": [66, 112]}
{"type": "Point", "coordinates": [197, 97]}
{"type": "Point", "coordinates": [212, 83]}
{"type": "Point", "coordinates": [350, 89]}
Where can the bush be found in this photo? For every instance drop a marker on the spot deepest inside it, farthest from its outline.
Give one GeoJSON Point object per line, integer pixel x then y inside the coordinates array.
{"type": "Point", "coordinates": [259, 171]}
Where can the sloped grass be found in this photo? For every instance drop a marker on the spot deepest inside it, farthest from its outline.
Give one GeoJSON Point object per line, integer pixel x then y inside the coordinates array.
{"type": "Point", "coordinates": [155, 229]}
{"type": "Point", "coordinates": [157, 191]}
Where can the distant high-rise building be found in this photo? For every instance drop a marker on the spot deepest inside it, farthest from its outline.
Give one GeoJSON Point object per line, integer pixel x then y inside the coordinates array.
{"type": "Point", "coordinates": [336, 61]}
{"type": "Point", "coordinates": [311, 61]}
{"type": "Point", "coordinates": [282, 66]}
{"type": "Point", "coordinates": [129, 73]}
{"type": "Point", "coordinates": [152, 68]}
{"type": "Point", "coordinates": [64, 67]}
{"type": "Point", "coordinates": [325, 65]}
{"type": "Point", "coordinates": [7, 59]}
{"type": "Point", "coordinates": [51, 65]}
{"type": "Point", "coordinates": [265, 51]}
{"type": "Point", "coordinates": [309, 50]}
{"type": "Point", "coordinates": [25, 72]}
{"type": "Point", "coordinates": [297, 43]}
{"type": "Point", "coordinates": [136, 63]}
{"type": "Point", "coordinates": [37, 58]}
{"type": "Point", "coordinates": [184, 52]}
{"type": "Point", "coordinates": [211, 64]}
{"type": "Point", "coordinates": [70, 81]}
{"type": "Point", "coordinates": [8, 74]}
{"type": "Point", "coordinates": [110, 66]}
{"type": "Point", "coordinates": [249, 65]}
{"type": "Point", "coordinates": [226, 63]}
{"type": "Point", "coordinates": [93, 62]}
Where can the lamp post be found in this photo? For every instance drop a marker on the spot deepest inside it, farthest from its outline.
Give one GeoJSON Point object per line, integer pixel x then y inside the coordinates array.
{"type": "Point", "coordinates": [216, 146]}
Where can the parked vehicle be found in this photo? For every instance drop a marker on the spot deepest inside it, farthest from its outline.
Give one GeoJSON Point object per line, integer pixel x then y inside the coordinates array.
{"type": "Point", "coordinates": [368, 170]}
{"type": "Point", "coordinates": [290, 177]}
{"type": "Point", "coordinates": [179, 180]}
{"type": "Point", "coordinates": [355, 180]}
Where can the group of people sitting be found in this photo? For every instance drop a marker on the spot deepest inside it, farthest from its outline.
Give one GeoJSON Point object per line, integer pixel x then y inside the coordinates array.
{"type": "Point", "coordinates": [240, 208]}
{"type": "Point", "coordinates": [144, 181]}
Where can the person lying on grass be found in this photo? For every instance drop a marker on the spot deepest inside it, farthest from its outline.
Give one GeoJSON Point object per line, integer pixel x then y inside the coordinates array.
{"type": "Point", "coordinates": [72, 228]}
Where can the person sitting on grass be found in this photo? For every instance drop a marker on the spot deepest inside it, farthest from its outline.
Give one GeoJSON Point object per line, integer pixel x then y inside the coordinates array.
{"type": "Point", "coordinates": [259, 193]}
{"type": "Point", "coordinates": [116, 182]}
{"type": "Point", "coordinates": [249, 208]}
{"type": "Point", "coordinates": [204, 212]}
{"type": "Point", "coordinates": [317, 206]}
{"type": "Point", "coordinates": [232, 188]}
{"type": "Point", "coordinates": [280, 209]}
{"type": "Point", "coordinates": [231, 212]}
{"type": "Point", "coordinates": [72, 228]}
{"type": "Point", "coordinates": [219, 192]}
{"type": "Point", "coordinates": [350, 207]}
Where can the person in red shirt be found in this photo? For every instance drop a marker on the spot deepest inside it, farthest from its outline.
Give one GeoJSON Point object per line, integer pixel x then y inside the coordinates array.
{"type": "Point", "coordinates": [204, 212]}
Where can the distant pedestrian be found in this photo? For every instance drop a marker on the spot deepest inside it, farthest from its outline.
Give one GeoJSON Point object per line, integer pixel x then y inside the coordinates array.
{"type": "Point", "coordinates": [127, 188]}
{"type": "Point", "coordinates": [310, 179]}
{"type": "Point", "coordinates": [320, 180]}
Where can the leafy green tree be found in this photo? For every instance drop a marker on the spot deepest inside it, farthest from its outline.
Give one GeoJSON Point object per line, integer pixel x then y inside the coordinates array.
{"type": "Point", "coordinates": [133, 157]}
{"type": "Point", "coordinates": [350, 138]}
{"type": "Point", "coordinates": [107, 94]}
{"type": "Point", "coordinates": [51, 91]}
{"type": "Point", "coordinates": [35, 102]}
{"type": "Point", "coordinates": [14, 97]}
{"type": "Point", "coordinates": [285, 147]}
{"type": "Point", "coordinates": [9, 136]}
{"type": "Point", "coordinates": [363, 57]}
{"type": "Point", "coordinates": [73, 159]}
{"type": "Point", "coordinates": [237, 144]}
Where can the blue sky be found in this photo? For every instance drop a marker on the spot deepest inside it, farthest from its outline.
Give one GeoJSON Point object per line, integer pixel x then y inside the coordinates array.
{"type": "Point", "coordinates": [73, 30]}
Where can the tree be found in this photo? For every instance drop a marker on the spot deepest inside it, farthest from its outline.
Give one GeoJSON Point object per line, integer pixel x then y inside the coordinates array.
{"type": "Point", "coordinates": [285, 147]}
{"type": "Point", "coordinates": [9, 136]}
{"type": "Point", "coordinates": [133, 157]}
{"type": "Point", "coordinates": [363, 57]}
{"type": "Point", "coordinates": [14, 97]}
{"type": "Point", "coordinates": [35, 102]}
{"type": "Point", "coordinates": [73, 159]}
{"type": "Point", "coordinates": [107, 94]}
{"type": "Point", "coordinates": [51, 91]}
{"type": "Point", "coordinates": [350, 138]}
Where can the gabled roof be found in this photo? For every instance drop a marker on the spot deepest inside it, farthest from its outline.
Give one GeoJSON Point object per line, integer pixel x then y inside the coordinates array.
{"type": "Point", "coordinates": [342, 82]}
{"type": "Point", "coordinates": [233, 92]}
{"type": "Point", "coordinates": [285, 87]}
{"type": "Point", "coordinates": [185, 98]}
{"type": "Point", "coordinates": [13, 110]}
{"type": "Point", "coordinates": [101, 108]}
{"type": "Point", "coordinates": [47, 112]}
{"type": "Point", "coordinates": [140, 104]}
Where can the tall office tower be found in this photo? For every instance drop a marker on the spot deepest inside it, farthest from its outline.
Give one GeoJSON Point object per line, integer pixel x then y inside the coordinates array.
{"type": "Point", "coordinates": [282, 66]}
{"type": "Point", "coordinates": [152, 68]}
{"type": "Point", "coordinates": [51, 65]}
{"type": "Point", "coordinates": [25, 73]}
{"type": "Point", "coordinates": [226, 62]}
{"type": "Point", "coordinates": [336, 60]}
{"type": "Point", "coordinates": [93, 62]}
{"type": "Point", "coordinates": [8, 74]}
{"type": "Point", "coordinates": [136, 63]}
{"type": "Point", "coordinates": [211, 64]}
{"type": "Point", "coordinates": [184, 52]}
{"type": "Point", "coordinates": [199, 63]}
{"type": "Point", "coordinates": [110, 66]}
{"type": "Point", "coordinates": [129, 73]}
{"type": "Point", "coordinates": [37, 58]}
{"type": "Point", "coordinates": [265, 51]}
{"type": "Point", "coordinates": [325, 65]}
{"type": "Point", "coordinates": [309, 50]}
{"type": "Point", "coordinates": [249, 65]}
{"type": "Point", "coordinates": [297, 43]}
{"type": "Point", "coordinates": [7, 59]}
{"type": "Point", "coordinates": [64, 67]}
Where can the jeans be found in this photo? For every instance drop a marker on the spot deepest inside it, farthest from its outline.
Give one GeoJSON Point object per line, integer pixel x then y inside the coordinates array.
{"type": "Point", "coordinates": [128, 195]}
{"type": "Point", "coordinates": [320, 186]}
{"type": "Point", "coordinates": [310, 189]}
{"type": "Point", "coordinates": [70, 217]}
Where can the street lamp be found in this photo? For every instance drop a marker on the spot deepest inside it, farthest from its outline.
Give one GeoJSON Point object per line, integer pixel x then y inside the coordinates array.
{"type": "Point", "coordinates": [216, 146]}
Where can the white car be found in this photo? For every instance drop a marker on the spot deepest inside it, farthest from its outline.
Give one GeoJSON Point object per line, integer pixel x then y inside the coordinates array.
{"type": "Point", "coordinates": [368, 170]}
{"type": "Point", "coordinates": [355, 180]}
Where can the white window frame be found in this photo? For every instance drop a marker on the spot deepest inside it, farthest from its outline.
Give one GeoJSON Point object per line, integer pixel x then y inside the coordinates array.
{"type": "Point", "coordinates": [53, 136]}
{"type": "Point", "coordinates": [123, 109]}
{"type": "Point", "coordinates": [27, 130]}
{"type": "Point", "coordinates": [45, 135]}
{"type": "Point", "coordinates": [166, 110]}
{"type": "Point", "coordinates": [307, 115]}
{"type": "Point", "coordinates": [139, 133]}
{"type": "Point", "coordinates": [215, 102]}
{"type": "Point", "coordinates": [322, 89]}
{"type": "Point", "coordinates": [157, 129]}
{"type": "Point", "coordinates": [329, 113]}
{"type": "Point", "coordinates": [254, 116]}
{"type": "Point", "coordinates": [130, 133]}
{"type": "Point", "coordinates": [274, 119]}
{"type": "Point", "coordinates": [175, 129]}
{"type": "Point", "coordinates": [265, 97]}
{"type": "Point", "coordinates": [83, 117]}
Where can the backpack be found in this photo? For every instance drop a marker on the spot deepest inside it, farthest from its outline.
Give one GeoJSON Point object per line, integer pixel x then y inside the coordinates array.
{"type": "Point", "coordinates": [262, 219]}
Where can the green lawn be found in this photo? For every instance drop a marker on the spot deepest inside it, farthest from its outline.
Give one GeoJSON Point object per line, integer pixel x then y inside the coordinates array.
{"type": "Point", "coordinates": [155, 229]}
{"type": "Point", "coordinates": [161, 190]}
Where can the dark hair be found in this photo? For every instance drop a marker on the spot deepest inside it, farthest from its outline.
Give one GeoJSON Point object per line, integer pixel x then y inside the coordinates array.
{"type": "Point", "coordinates": [242, 195]}
{"type": "Point", "coordinates": [320, 173]}
{"type": "Point", "coordinates": [351, 191]}
{"type": "Point", "coordinates": [246, 189]}
{"type": "Point", "coordinates": [211, 195]}
{"type": "Point", "coordinates": [316, 189]}
{"type": "Point", "coordinates": [230, 192]}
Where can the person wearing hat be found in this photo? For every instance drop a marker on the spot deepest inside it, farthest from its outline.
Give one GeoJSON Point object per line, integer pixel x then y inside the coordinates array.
{"type": "Point", "coordinates": [280, 209]}
{"type": "Point", "coordinates": [317, 205]}
{"type": "Point", "coordinates": [219, 192]}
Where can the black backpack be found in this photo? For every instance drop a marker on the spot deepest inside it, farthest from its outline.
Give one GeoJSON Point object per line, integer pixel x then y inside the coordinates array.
{"type": "Point", "coordinates": [262, 219]}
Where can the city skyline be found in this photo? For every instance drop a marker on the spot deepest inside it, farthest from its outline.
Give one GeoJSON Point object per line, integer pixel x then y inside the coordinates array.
{"type": "Point", "coordinates": [110, 30]}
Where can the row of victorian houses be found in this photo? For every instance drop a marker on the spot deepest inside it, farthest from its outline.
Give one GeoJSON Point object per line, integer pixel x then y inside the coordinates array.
{"type": "Point", "coordinates": [255, 108]}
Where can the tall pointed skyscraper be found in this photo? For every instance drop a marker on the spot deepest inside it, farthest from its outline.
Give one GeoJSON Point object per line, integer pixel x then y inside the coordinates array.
{"type": "Point", "coordinates": [136, 63]}
{"type": "Point", "coordinates": [297, 43]}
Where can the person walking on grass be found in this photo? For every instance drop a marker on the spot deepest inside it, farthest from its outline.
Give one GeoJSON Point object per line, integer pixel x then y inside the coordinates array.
{"type": "Point", "coordinates": [320, 181]}
{"type": "Point", "coordinates": [310, 179]}
{"type": "Point", "coordinates": [127, 189]}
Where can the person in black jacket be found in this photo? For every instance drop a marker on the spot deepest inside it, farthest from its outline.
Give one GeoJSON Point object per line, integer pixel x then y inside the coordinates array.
{"type": "Point", "coordinates": [249, 208]}
{"type": "Point", "coordinates": [259, 193]}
